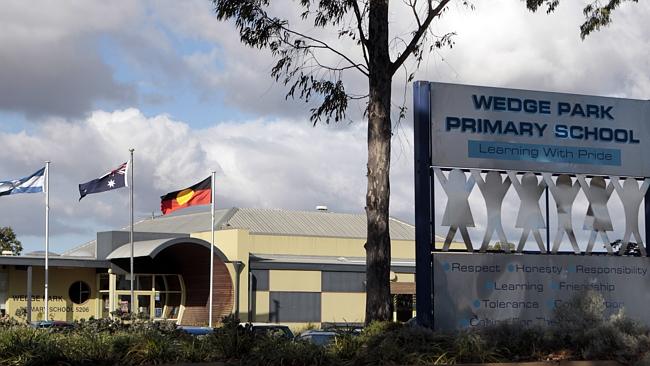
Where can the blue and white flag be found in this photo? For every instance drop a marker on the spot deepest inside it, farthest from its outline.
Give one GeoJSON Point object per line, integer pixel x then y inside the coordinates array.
{"type": "Point", "coordinates": [35, 183]}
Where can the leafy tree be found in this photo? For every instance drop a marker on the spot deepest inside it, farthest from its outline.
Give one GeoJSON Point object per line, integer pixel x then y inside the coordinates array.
{"type": "Point", "coordinates": [631, 250]}
{"type": "Point", "coordinates": [8, 241]}
{"type": "Point", "coordinates": [596, 15]}
{"type": "Point", "coordinates": [500, 246]}
{"type": "Point", "coordinates": [314, 69]}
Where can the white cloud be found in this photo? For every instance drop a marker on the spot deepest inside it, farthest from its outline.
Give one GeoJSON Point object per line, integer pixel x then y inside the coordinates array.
{"type": "Point", "coordinates": [502, 44]}
{"type": "Point", "coordinates": [260, 163]}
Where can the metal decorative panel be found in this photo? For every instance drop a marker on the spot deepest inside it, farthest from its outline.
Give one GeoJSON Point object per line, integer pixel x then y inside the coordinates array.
{"type": "Point", "coordinates": [298, 307]}
{"type": "Point", "coordinates": [458, 215]}
{"type": "Point", "coordinates": [564, 191]}
{"type": "Point", "coordinates": [343, 281]}
{"type": "Point", "coordinates": [493, 189]}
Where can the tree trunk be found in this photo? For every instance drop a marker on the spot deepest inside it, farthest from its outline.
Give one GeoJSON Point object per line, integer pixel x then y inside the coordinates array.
{"type": "Point", "coordinates": [378, 255]}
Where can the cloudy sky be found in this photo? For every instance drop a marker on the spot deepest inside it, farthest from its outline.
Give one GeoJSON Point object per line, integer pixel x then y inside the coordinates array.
{"type": "Point", "coordinates": [83, 81]}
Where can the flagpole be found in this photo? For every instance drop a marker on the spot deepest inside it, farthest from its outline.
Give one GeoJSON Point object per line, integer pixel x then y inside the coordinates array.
{"type": "Point", "coordinates": [211, 249]}
{"type": "Point", "coordinates": [131, 234]}
{"type": "Point", "coordinates": [47, 238]}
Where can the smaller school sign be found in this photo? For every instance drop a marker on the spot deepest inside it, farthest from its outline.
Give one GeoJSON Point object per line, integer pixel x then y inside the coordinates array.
{"type": "Point", "coordinates": [511, 129]}
{"type": "Point", "coordinates": [478, 290]}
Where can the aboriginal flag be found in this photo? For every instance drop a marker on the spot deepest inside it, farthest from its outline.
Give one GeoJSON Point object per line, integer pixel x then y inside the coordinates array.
{"type": "Point", "coordinates": [198, 194]}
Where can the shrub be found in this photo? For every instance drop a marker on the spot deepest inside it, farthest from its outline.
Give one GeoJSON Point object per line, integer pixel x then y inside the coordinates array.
{"type": "Point", "coordinates": [391, 343]}
{"type": "Point", "coordinates": [281, 351]}
{"type": "Point", "coordinates": [581, 326]}
{"type": "Point", "coordinates": [200, 349]}
{"type": "Point", "coordinates": [88, 348]}
{"type": "Point", "coordinates": [153, 348]}
{"type": "Point", "coordinates": [517, 342]}
{"type": "Point", "coordinates": [471, 347]}
{"type": "Point", "coordinates": [579, 329]}
{"type": "Point", "coordinates": [231, 341]}
{"type": "Point", "coordinates": [27, 346]}
{"type": "Point", "coordinates": [345, 346]}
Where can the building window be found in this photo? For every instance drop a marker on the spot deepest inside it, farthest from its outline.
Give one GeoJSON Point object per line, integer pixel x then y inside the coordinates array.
{"type": "Point", "coordinates": [79, 292]}
{"type": "Point", "coordinates": [159, 296]}
{"type": "Point", "coordinates": [103, 282]}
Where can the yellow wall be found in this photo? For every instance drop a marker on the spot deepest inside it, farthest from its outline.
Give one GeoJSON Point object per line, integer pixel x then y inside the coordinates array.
{"type": "Point", "coordinates": [405, 277]}
{"type": "Point", "coordinates": [307, 245]}
{"type": "Point", "coordinates": [60, 279]}
{"type": "Point", "coordinates": [342, 307]}
{"type": "Point", "coordinates": [301, 281]}
{"type": "Point", "coordinates": [453, 246]}
{"type": "Point", "coordinates": [237, 244]}
{"type": "Point", "coordinates": [261, 306]}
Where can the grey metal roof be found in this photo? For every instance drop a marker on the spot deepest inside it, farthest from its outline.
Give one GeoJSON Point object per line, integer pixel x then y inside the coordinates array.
{"type": "Point", "coordinates": [311, 223]}
{"type": "Point", "coordinates": [83, 250]}
{"type": "Point", "coordinates": [188, 223]}
{"type": "Point", "coordinates": [151, 248]}
{"type": "Point", "coordinates": [262, 221]}
{"type": "Point", "coordinates": [323, 263]}
{"type": "Point", "coordinates": [274, 222]}
{"type": "Point", "coordinates": [140, 249]}
{"type": "Point", "coordinates": [321, 259]}
{"type": "Point", "coordinates": [58, 261]}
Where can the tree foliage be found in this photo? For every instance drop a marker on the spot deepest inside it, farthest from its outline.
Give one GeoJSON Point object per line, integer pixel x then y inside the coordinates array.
{"type": "Point", "coordinates": [596, 15]}
{"type": "Point", "coordinates": [304, 62]}
{"type": "Point", "coordinates": [8, 241]}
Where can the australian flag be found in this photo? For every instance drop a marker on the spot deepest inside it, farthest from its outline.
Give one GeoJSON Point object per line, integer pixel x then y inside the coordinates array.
{"type": "Point", "coordinates": [112, 180]}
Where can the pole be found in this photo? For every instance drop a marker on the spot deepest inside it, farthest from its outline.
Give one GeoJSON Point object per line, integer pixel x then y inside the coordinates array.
{"type": "Point", "coordinates": [646, 219]}
{"type": "Point", "coordinates": [131, 233]}
{"type": "Point", "coordinates": [251, 296]}
{"type": "Point", "coordinates": [424, 225]}
{"type": "Point", "coordinates": [47, 238]}
{"type": "Point", "coordinates": [29, 294]}
{"type": "Point", "coordinates": [211, 249]}
{"type": "Point", "coordinates": [548, 226]}
{"type": "Point", "coordinates": [238, 269]}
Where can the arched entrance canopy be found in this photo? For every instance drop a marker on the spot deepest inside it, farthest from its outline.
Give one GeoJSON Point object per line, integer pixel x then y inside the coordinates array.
{"type": "Point", "coordinates": [151, 248]}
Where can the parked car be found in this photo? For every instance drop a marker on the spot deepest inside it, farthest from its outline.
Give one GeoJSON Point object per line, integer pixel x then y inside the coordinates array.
{"type": "Point", "coordinates": [197, 331]}
{"type": "Point", "coordinates": [52, 324]}
{"type": "Point", "coordinates": [317, 337]}
{"type": "Point", "coordinates": [268, 329]}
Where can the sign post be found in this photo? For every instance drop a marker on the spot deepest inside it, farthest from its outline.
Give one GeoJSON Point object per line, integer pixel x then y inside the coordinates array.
{"type": "Point", "coordinates": [424, 224]}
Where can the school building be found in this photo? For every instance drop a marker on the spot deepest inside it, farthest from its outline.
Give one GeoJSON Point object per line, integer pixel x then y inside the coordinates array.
{"type": "Point", "coordinates": [270, 265]}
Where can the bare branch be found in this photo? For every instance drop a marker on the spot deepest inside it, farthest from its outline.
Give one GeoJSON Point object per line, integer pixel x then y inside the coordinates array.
{"type": "Point", "coordinates": [308, 48]}
{"type": "Point", "coordinates": [413, 5]}
{"type": "Point", "coordinates": [362, 36]}
{"type": "Point", "coordinates": [417, 36]}
{"type": "Point", "coordinates": [362, 68]}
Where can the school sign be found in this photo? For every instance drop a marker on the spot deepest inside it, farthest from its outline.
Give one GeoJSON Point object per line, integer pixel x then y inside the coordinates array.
{"type": "Point", "coordinates": [530, 142]}
{"type": "Point", "coordinates": [509, 129]}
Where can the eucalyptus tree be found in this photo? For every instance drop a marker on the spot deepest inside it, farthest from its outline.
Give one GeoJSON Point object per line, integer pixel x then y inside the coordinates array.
{"type": "Point", "coordinates": [315, 69]}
